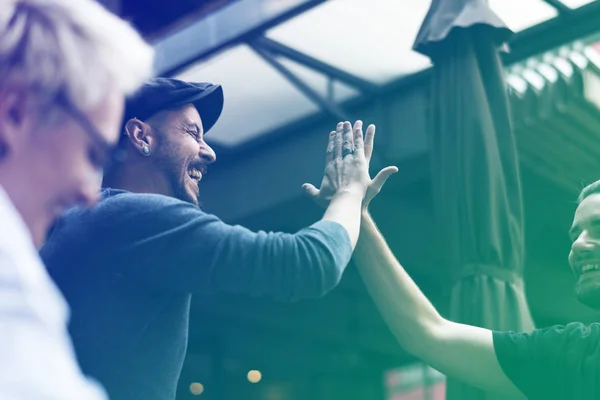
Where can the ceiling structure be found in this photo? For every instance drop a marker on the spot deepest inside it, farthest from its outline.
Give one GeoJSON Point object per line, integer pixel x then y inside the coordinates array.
{"type": "Point", "coordinates": [156, 18]}
{"type": "Point", "coordinates": [291, 59]}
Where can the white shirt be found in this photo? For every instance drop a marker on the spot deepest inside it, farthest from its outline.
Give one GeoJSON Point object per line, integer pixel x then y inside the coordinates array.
{"type": "Point", "coordinates": [37, 360]}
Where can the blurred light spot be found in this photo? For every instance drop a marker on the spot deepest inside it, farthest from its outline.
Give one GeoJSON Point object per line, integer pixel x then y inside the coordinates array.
{"type": "Point", "coordinates": [196, 388]}
{"type": "Point", "coordinates": [254, 376]}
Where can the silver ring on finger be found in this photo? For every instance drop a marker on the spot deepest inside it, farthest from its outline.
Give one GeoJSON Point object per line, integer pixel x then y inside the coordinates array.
{"type": "Point", "coordinates": [346, 152]}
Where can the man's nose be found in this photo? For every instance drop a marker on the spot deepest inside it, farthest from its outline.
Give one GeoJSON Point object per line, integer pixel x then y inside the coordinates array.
{"type": "Point", "coordinates": [583, 243]}
{"type": "Point", "coordinates": [207, 154]}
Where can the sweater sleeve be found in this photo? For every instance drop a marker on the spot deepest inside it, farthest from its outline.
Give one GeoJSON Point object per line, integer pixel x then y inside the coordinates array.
{"type": "Point", "coordinates": [178, 246]}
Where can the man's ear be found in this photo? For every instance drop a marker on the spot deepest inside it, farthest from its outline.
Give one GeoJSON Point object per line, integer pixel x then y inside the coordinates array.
{"type": "Point", "coordinates": [141, 136]}
{"type": "Point", "coordinates": [15, 122]}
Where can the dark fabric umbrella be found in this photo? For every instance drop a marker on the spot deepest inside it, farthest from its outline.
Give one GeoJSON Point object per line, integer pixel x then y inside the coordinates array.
{"type": "Point", "coordinates": [476, 184]}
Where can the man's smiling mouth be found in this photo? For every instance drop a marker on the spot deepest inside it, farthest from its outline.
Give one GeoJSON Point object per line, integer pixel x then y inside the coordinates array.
{"type": "Point", "coordinates": [195, 174]}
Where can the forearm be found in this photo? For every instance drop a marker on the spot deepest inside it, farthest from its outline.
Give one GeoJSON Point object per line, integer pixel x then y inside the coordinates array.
{"type": "Point", "coordinates": [288, 267]}
{"type": "Point", "coordinates": [316, 259]}
{"type": "Point", "coordinates": [462, 351]}
{"type": "Point", "coordinates": [344, 209]}
{"type": "Point", "coordinates": [406, 310]}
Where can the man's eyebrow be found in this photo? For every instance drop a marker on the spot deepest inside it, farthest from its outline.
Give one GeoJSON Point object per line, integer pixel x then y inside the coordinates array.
{"type": "Point", "coordinates": [192, 125]}
{"type": "Point", "coordinates": [574, 229]}
{"type": "Point", "coordinates": [594, 221]}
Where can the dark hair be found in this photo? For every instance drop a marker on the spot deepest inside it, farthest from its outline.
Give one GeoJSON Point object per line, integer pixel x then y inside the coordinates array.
{"type": "Point", "coordinates": [592, 188]}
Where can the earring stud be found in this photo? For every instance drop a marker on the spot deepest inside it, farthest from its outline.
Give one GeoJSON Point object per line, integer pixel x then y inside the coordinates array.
{"type": "Point", "coordinates": [146, 150]}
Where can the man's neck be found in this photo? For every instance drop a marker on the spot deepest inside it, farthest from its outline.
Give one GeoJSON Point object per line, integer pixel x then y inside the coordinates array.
{"type": "Point", "coordinates": [138, 179]}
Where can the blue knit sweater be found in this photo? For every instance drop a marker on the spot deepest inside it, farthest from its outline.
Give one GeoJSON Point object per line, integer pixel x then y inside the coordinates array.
{"type": "Point", "coordinates": [129, 266]}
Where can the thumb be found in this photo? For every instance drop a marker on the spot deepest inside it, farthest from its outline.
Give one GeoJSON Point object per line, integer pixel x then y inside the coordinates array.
{"type": "Point", "coordinates": [382, 177]}
{"type": "Point", "coordinates": [310, 190]}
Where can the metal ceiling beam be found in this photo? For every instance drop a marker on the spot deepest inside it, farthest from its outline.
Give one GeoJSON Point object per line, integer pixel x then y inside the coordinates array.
{"type": "Point", "coordinates": [560, 6]}
{"type": "Point", "coordinates": [577, 24]}
{"type": "Point", "coordinates": [325, 104]}
{"type": "Point", "coordinates": [406, 97]}
{"type": "Point", "coordinates": [239, 22]}
{"type": "Point", "coordinates": [317, 65]}
{"type": "Point", "coordinates": [572, 26]}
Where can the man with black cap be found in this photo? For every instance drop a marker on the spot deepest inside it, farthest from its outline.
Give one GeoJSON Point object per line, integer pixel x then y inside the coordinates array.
{"type": "Point", "coordinates": [128, 266]}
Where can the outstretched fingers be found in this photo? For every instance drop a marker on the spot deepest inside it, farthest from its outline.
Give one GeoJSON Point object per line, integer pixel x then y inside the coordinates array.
{"type": "Point", "coordinates": [310, 190]}
{"type": "Point", "coordinates": [380, 179]}
{"type": "Point", "coordinates": [348, 140]}
{"type": "Point", "coordinates": [369, 140]}
{"type": "Point", "coordinates": [338, 140]}
{"type": "Point", "coordinates": [358, 136]}
{"type": "Point", "coordinates": [330, 152]}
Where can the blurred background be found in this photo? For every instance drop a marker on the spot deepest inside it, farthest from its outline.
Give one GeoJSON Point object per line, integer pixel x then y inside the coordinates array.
{"type": "Point", "coordinates": [290, 70]}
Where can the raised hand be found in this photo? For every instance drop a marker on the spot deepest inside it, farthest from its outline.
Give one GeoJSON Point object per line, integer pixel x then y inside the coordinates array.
{"type": "Point", "coordinates": [382, 176]}
{"type": "Point", "coordinates": [347, 166]}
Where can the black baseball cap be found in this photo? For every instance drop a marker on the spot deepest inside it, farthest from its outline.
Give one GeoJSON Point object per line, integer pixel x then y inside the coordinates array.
{"type": "Point", "coordinates": [159, 94]}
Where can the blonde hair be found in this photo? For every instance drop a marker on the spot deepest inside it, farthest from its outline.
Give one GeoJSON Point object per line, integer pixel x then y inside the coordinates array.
{"type": "Point", "coordinates": [73, 48]}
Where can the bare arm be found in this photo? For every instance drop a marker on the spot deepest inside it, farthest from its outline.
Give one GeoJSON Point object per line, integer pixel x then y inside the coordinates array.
{"type": "Point", "coordinates": [461, 351]}
{"type": "Point", "coordinates": [345, 179]}
{"type": "Point", "coordinates": [345, 209]}
{"type": "Point", "coordinates": [346, 185]}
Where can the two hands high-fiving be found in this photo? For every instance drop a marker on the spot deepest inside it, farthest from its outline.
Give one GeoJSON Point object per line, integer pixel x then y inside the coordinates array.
{"type": "Point", "coordinates": [347, 166]}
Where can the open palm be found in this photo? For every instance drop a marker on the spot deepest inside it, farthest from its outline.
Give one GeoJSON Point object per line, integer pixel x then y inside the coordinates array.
{"type": "Point", "coordinates": [362, 155]}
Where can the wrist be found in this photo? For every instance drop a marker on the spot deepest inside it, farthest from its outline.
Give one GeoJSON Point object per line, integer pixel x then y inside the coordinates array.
{"type": "Point", "coordinates": [352, 193]}
{"type": "Point", "coordinates": [355, 191]}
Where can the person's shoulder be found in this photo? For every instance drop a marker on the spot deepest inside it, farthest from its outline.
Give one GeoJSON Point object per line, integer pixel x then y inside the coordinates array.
{"type": "Point", "coordinates": [569, 329]}
{"type": "Point", "coordinates": [581, 330]}
{"type": "Point", "coordinates": [123, 203]}
{"type": "Point", "coordinates": [542, 344]}
{"type": "Point", "coordinates": [122, 197]}
{"type": "Point", "coordinates": [507, 339]}
{"type": "Point", "coordinates": [127, 207]}
{"type": "Point", "coordinates": [565, 334]}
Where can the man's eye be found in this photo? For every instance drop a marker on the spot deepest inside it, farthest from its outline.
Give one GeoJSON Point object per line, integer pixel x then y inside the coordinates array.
{"type": "Point", "coordinates": [573, 237]}
{"type": "Point", "coordinates": [594, 232]}
{"type": "Point", "coordinates": [193, 133]}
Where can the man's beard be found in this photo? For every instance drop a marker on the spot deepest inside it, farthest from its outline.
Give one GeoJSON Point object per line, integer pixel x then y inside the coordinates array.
{"type": "Point", "coordinates": [182, 193]}
{"type": "Point", "coordinates": [587, 292]}
{"type": "Point", "coordinates": [177, 181]}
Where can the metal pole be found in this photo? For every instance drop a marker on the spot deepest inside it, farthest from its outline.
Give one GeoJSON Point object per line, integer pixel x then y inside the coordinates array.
{"type": "Point", "coordinates": [310, 62]}
{"type": "Point", "coordinates": [333, 109]}
{"type": "Point", "coordinates": [236, 23]}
